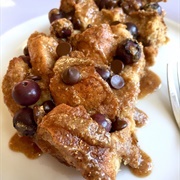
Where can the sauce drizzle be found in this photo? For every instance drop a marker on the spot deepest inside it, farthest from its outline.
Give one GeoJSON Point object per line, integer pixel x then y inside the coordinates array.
{"type": "Point", "coordinates": [140, 117]}
{"type": "Point", "coordinates": [145, 167]}
{"type": "Point", "coordinates": [24, 145]}
{"type": "Point", "coordinates": [149, 83]}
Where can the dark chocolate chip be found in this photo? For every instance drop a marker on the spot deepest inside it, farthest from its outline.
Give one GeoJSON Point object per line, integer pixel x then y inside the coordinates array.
{"type": "Point", "coordinates": [71, 76]}
{"type": "Point", "coordinates": [48, 106]}
{"type": "Point", "coordinates": [104, 73]}
{"type": "Point", "coordinates": [54, 14]}
{"type": "Point", "coordinates": [116, 82]}
{"type": "Point", "coordinates": [77, 24]}
{"type": "Point", "coordinates": [26, 51]}
{"type": "Point", "coordinates": [89, 26]}
{"type": "Point", "coordinates": [132, 28]}
{"type": "Point", "coordinates": [118, 125]}
{"type": "Point", "coordinates": [106, 4]}
{"type": "Point", "coordinates": [64, 48]}
{"type": "Point", "coordinates": [117, 66]}
{"type": "Point", "coordinates": [102, 120]}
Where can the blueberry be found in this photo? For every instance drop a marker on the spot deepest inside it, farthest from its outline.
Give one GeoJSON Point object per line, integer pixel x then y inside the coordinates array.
{"type": "Point", "coordinates": [66, 32]}
{"type": "Point", "coordinates": [128, 51]}
{"type": "Point", "coordinates": [23, 122]}
{"type": "Point", "coordinates": [153, 7]}
{"type": "Point", "coordinates": [26, 92]}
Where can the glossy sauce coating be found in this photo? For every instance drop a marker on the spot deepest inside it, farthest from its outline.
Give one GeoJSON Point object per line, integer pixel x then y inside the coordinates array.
{"type": "Point", "coordinates": [140, 117]}
{"type": "Point", "coordinates": [145, 167]}
{"type": "Point", "coordinates": [24, 145]}
{"type": "Point", "coordinates": [149, 83]}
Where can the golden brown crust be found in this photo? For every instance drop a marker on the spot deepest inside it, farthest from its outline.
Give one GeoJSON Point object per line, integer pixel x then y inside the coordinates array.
{"type": "Point", "coordinates": [17, 71]}
{"type": "Point", "coordinates": [97, 43]}
{"type": "Point", "coordinates": [42, 58]}
{"type": "Point", "coordinates": [58, 25]}
{"type": "Point", "coordinates": [42, 50]}
{"type": "Point", "coordinates": [84, 92]}
{"type": "Point", "coordinates": [151, 26]}
{"type": "Point", "coordinates": [68, 132]}
{"type": "Point", "coordinates": [65, 141]}
{"type": "Point", "coordinates": [128, 94]}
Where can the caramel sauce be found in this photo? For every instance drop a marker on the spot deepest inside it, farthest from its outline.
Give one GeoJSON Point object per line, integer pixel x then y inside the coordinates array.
{"type": "Point", "coordinates": [145, 167]}
{"type": "Point", "coordinates": [149, 83]}
{"type": "Point", "coordinates": [140, 117]}
{"type": "Point", "coordinates": [24, 145]}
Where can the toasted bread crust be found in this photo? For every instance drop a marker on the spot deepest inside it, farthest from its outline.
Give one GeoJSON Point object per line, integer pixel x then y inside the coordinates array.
{"type": "Point", "coordinates": [68, 132]}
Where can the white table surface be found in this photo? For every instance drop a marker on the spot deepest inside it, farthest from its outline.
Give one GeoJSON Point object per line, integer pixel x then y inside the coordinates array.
{"type": "Point", "coordinates": [15, 12]}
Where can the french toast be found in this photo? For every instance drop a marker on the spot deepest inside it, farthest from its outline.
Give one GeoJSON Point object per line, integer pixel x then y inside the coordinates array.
{"type": "Point", "coordinates": [88, 70]}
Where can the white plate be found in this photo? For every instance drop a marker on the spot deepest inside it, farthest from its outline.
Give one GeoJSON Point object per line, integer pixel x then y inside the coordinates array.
{"type": "Point", "coordinates": [159, 138]}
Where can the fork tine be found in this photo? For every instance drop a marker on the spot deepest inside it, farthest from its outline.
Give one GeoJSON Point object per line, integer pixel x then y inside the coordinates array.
{"type": "Point", "coordinates": [178, 76]}
{"type": "Point", "coordinates": [173, 93]}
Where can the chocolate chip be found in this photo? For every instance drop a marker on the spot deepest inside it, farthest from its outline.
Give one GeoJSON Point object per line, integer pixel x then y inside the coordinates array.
{"type": "Point", "coordinates": [48, 106]}
{"type": "Point", "coordinates": [116, 82]}
{"type": "Point", "coordinates": [89, 26]}
{"type": "Point", "coordinates": [132, 28]}
{"type": "Point", "coordinates": [71, 76]}
{"type": "Point", "coordinates": [118, 125]}
{"type": "Point", "coordinates": [77, 24]}
{"type": "Point", "coordinates": [102, 120]}
{"type": "Point", "coordinates": [104, 73]}
{"type": "Point", "coordinates": [129, 6]}
{"type": "Point", "coordinates": [26, 51]}
{"type": "Point", "coordinates": [63, 49]}
{"type": "Point", "coordinates": [117, 66]}
{"type": "Point", "coordinates": [54, 14]}
{"type": "Point", "coordinates": [106, 4]}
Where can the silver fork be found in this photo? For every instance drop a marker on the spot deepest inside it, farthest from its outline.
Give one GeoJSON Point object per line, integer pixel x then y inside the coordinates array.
{"type": "Point", "coordinates": [173, 81]}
